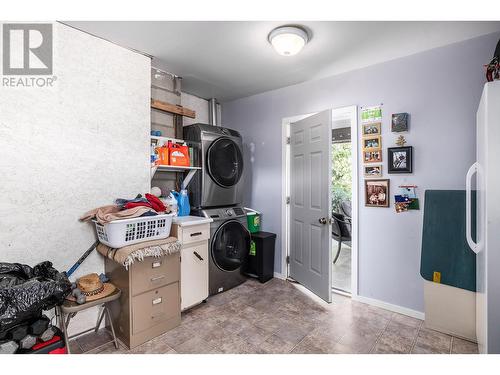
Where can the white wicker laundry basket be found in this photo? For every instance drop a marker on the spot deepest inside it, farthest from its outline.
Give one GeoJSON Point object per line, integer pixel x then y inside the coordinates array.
{"type": "Point", "coordinates": [120, 233]}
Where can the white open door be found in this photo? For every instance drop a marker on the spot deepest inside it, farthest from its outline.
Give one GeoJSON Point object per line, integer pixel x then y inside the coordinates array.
{"type": "Point", "coordinates": [310, 203]}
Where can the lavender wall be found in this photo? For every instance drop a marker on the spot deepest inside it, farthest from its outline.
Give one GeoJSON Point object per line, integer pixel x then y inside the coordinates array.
{"type": "Point", "coordinates": [440, 89]}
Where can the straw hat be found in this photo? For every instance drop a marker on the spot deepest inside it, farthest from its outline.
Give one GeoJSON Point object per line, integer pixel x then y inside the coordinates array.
{"type": "Point", "coordinates": [93, 288]}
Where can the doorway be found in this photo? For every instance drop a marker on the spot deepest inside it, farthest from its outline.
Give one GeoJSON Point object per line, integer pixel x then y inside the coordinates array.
{"type": "Point", "coordinates": [339, 189]}
{"type": "Point", "coordinates": [341, 198]}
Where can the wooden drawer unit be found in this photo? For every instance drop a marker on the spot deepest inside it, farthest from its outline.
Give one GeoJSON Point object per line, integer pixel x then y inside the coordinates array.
{"type": "Point", "coordinates": [194, 261]}
{"type": "Point", "coordinates": [150, 300]}
{"type": "Point", "coordinates": [153, 273]}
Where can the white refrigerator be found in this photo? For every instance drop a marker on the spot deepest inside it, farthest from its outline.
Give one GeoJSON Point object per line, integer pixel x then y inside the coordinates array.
{"type": "Point", "coordinates": [486, 170]}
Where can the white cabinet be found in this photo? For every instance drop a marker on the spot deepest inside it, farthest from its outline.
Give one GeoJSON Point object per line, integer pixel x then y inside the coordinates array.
{"type": "Point", "coordinates": [194, 274]}
{"type": "Point", "coordinates": [194, 236]}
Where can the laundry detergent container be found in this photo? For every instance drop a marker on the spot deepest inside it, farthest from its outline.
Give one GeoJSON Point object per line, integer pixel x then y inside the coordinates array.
{"type": "Point", "coordinates": [448, 265]}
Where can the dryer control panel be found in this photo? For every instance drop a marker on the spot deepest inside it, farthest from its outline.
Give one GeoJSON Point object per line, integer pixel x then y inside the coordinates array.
{"type": "Point", "coordinates": [224, 213]}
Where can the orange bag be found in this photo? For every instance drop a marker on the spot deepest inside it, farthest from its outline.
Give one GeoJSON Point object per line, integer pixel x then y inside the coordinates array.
{"type": "Point", "coordinates": [178, 155]}
{"type": "Point", "coordinates": [163, 153]}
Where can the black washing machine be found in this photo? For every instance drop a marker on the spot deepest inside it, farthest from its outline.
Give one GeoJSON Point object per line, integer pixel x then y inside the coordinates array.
{"type": "Point", "coordinates": [229, 247]}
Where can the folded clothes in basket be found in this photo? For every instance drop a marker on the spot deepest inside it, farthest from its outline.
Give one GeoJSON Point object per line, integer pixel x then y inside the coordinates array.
{"type": "Point", "coordinates": [105, 214]}
{"type": "Point", "coordinates": [127, 255]}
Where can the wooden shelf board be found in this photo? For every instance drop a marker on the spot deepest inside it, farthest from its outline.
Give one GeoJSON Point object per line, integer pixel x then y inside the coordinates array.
{"type": "Point", "coordinates": [172, 108]}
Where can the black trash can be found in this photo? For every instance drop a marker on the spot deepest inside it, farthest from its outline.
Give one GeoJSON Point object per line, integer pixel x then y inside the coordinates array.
{"type": "Point", "coordinates": [260, 260]}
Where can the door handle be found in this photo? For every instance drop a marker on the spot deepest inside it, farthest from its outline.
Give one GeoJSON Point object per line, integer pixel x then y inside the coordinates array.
{"type": "Point", "coordinates": [197, 255]}
{"type": "Point", "coordinates": [323, 220]}
{"type": "Point", "coordinates": [468, 208]}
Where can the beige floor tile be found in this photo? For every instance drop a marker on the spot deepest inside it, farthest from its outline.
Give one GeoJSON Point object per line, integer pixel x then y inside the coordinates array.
{"type": "Point", "coordinates": [196, 345]}
{"type": "Point", "coordinates": [254, 335]}
{"type": "Point", "coordinates": [276, 345]}
{"type": "Point", "coordinates": [392, 344]}
{"type": "Point", "coordinates": [237, 345]}
{"type": "Point", "coordinates": [109, 349]}
{"type": "Point", "coordinates": [407, 320]}
{"type": "Point", "coordinates": [236, 324]}
{"type": "Point", "coordinates": [359, 341]}
{"type": "Point", "coordinates": [432, 341]}
{"type": "Point", "coordinates": [157, 345]}
{"type": "Point", "coordinates": [216, 336]}
{"type": "Point", "coordinates": [178, 335]}
{"type": "Point", "coordinates": [398, 329]}
{"type": "Point", "coordinates": [92, 340]}
{"type": "Point", "coordinates": [74, 347]}
{"type": "Point", "coordinates": [460, 346]}
{"type": "Point", "coordinates": [293, 333]}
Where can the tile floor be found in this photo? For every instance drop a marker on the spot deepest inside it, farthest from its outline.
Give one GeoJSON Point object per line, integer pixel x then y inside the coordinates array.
{"type": "Point", "coordinates": [279, 317]}
{"type": "Point", "coordinates": [341, 271]}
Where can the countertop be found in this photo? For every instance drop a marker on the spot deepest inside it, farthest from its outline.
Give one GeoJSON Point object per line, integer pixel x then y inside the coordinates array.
{"type": "Point", "coordinates": [186, 221]}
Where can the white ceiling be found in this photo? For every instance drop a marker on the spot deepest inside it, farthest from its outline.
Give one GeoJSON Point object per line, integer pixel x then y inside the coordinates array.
{"type": "Point", "coordinates": [229, 60]}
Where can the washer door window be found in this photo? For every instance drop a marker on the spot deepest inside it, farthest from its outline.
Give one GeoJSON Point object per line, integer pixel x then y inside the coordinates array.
{"type": "Point", "coordinates": [230, 245]}
{"type": "Point", "coordinates": [225, 162]}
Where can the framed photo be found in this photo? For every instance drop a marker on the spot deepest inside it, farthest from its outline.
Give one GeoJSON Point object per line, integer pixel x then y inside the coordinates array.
{"type": "Point", "coordinates": [372, 156]}
{"type": "Point", "coordinates": [372, 128]}
{"type": "Point", "coordinates": [373, 170]}
{"type": "Point", "coordinates": [377, 193]}
{"type": "Point", "coordinates": [372, 143]}
{"type": "Point", "coordinates": [399, 122]}
{"type": "Point", "coordinates": [400, 159]}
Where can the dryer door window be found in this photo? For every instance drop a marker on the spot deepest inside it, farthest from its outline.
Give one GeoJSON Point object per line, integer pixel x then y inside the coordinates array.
{"type": "Point", "coordinates": [230, 245]}
{"type": "Point", "coordinates": [225, 162]}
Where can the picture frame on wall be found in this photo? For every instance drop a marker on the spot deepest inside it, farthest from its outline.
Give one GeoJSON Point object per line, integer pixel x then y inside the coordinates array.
{"type": "Point", "coordinates": [400, 159]}
{"type": "Point", "coordinates": [372, 128]}
{"type": "Point", "coordinates": [372, 156]}
{"type": "Point", "coordinates": [399, 122]}
{"type": "Point", "coordinates": [377, 193]}
{"type": "Point", "coordinates": [372, 143]}
{"type": "Point", "coordinates": [373, 170]}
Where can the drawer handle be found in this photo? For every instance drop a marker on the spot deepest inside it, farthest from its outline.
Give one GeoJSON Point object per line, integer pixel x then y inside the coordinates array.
{"type": "Point", "coordinates": [157, 315]}
{"type": "Point", "coordinates": [196, 234]}
{"type": "Point", "coordinates": [156, 264]}
{"type": "Point", "coordinates": [197, 255]}
{"type": "Point", "coordinates": [153, 279]}
{"type": "Point", "coordinates": [157, 301]}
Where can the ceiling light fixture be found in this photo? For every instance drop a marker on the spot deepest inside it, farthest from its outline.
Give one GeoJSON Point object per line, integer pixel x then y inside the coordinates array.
{"type": "Point", "coordinates": [288, 40]}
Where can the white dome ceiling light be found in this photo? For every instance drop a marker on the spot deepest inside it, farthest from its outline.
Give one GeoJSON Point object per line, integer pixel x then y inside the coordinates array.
{"type": "Point", "coordinates": [288, 40]}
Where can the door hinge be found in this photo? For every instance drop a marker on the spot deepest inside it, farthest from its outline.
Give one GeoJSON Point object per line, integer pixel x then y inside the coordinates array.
{"type": "Point", "coordinates": [288, 259]}
{"type": "Point", "coordinates": [288, 140]}
{"type": "Point", "coordinates": [288, 200]}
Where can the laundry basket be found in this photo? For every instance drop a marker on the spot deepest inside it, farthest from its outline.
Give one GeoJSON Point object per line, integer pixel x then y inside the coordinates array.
{"type": "Point", "coordinates": [119, 233]}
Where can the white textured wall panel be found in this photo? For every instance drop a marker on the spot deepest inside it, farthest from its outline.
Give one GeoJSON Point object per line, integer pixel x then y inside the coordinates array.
{"type": "Point", "coordinates": [70, 148]}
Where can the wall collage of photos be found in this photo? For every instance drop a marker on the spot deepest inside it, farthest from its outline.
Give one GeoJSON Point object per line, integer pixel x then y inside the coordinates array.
{"type": "Point", "coordinates": [399, 161]}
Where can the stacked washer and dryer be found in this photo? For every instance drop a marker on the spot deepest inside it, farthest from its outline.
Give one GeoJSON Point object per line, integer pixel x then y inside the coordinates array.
{"type": "Point", "coordinates": [217, 193]}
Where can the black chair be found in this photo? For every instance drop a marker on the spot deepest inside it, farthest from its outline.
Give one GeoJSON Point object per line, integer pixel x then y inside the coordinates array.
{"type": "Point", "coordinates": [341, 228]}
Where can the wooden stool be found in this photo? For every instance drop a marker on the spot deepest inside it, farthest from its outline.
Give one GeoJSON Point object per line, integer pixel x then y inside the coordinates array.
{"type": "Point", "coordinates": [70, 309]}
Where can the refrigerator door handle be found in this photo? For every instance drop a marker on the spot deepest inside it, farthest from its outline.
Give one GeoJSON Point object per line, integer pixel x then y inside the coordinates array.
{"type": "Point", "coordinates": [468, 208]}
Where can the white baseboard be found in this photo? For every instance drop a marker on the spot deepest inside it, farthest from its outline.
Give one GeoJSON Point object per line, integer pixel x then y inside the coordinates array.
{"type": "Point", "coordinates": [389, 306]}
{"type": "Point", "coordinates": [279, 276]}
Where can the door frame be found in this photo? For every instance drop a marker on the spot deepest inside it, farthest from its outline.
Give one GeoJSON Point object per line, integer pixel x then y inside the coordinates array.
{"type": "Point", "coordinates": [285, 192]}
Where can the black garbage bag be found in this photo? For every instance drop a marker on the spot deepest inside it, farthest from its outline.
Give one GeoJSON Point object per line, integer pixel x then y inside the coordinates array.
{"type": "Point", "coordinates": [26, 291]}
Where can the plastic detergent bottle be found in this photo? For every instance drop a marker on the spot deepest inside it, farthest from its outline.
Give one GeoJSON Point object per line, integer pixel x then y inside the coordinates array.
{"type": "Point", "coordinates": [182, 202]}
{"type": "Point", "coordinates": [171, 203]}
